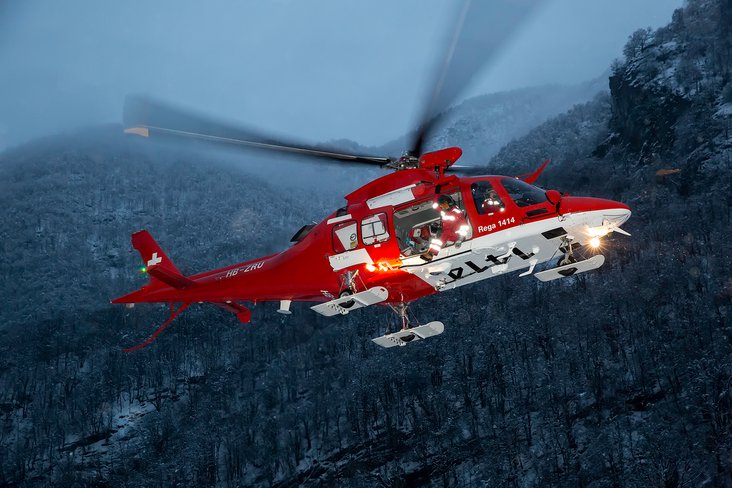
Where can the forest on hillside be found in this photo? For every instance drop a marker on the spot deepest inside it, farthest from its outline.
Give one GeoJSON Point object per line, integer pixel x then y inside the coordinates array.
{"type": "Point", "coordinates": [619, 377]}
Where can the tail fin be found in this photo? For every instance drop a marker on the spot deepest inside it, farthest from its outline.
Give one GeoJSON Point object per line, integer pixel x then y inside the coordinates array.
{"type": "Point", "coordinates": [156, 263]}
{"type": "Point", "coordinates": [533, 176]}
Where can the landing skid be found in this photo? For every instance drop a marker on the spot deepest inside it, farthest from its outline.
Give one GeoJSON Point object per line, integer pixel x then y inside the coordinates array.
{"type": "Point", "coordinates": [405, 336]}
{"type": "Point", "coordinates": [571, 269]}
{"type": "Point", "coordinates": [348, 303]}
{"type": "Point", "coordinates": [408, 334]}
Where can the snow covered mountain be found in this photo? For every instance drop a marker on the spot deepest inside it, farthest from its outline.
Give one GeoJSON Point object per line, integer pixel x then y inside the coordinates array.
{"type": "Point", "coordinates": [615, 378]}
{"type": "Point", "coordinates": [482, 125]}
{"type": "Point", "coordinates": [673, 94]}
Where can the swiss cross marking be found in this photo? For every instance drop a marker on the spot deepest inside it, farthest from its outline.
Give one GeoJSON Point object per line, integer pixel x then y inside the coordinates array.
{"type": "Point", "coordinates": [155, 259]}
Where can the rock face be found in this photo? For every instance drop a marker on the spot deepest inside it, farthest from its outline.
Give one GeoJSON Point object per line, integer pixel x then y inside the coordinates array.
{"type": "Point", "coordinates": [673, 78]}
{"type": "Point", "coordinates": [612, 378]}
{"type": "Point", "coordinates": [644, 117]}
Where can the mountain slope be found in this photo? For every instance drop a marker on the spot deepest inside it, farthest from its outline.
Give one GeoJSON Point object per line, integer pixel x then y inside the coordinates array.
{"type": "Point", "coordinates": [619, 377]}
{"type": "Point", "coordinates": [72, 203]}
{"type": "Point", "coordinates": [481, 125]}
{"type": "Point", "coordinates": [661, 143]}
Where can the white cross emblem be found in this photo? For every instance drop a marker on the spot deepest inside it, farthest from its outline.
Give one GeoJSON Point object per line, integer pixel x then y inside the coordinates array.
{"type": "Point", "coordinates": [154, 260]}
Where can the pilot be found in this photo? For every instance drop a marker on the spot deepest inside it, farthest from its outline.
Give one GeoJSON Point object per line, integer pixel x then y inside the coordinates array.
{"type": "Point", "coordinates": [453, 228]}
{"type": "Point", "coordinates": [491, 203]}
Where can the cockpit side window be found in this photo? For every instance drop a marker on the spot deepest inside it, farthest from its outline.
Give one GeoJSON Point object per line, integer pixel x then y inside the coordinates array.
{"type": "Point", "coordinates": [486, 199]}
{"type": "Point", "coordinates": [522, 193]}
{"type": "Point", "coordinates": [345, 236]}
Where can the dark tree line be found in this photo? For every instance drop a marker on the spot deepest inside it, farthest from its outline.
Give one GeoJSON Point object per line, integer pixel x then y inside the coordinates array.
{"type": "Point", "coordinates": [620, 377]}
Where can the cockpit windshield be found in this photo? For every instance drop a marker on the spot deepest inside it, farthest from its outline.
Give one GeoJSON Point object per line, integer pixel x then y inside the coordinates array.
{"type": "Point", "coordinates": [522, 193]}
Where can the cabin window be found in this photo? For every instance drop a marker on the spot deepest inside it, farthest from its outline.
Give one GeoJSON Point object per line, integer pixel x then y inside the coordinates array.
{"type": "Point", "coordinates": [345, 236]}
{"type": "Point", "coordinates": [486, 199]}
{"type": "Point", "coordinates": [522, 193]}
{"type": "Point", "coordinates": [374, 229]}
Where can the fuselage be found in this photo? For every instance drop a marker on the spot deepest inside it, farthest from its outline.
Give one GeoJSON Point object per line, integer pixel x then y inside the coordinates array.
{"type": "Point", "coordinates": [513, 226]}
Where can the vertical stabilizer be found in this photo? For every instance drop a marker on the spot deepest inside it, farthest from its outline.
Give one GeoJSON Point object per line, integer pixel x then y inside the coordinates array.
{"type": "Point", "coordinates": [156, 263]}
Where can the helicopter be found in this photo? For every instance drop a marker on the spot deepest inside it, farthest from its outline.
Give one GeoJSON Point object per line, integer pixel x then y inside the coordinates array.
{"type": "Point", "coordinates": [394, 241]}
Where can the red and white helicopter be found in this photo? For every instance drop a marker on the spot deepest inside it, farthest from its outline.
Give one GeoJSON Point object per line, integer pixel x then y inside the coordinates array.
{"type": "Point", "coordinates": [374, 250]}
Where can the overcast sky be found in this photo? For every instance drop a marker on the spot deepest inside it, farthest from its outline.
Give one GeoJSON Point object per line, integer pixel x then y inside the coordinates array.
{"type": "Point", "coordinates": [315, 69]}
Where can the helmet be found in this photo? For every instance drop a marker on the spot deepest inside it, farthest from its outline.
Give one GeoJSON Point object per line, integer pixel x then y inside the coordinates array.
{"type": "Point", "coordinates": [445, 199]}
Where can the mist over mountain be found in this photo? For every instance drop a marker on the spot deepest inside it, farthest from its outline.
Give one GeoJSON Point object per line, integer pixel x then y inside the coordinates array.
{"type": "Point", "coordinates": [316, 70]}
{"type": "Point", "coordinates": [73, 200]}
{"type": "Point", "coordinates": [620, 377]}
{"type": "Point", "coordinates": [480, 126]}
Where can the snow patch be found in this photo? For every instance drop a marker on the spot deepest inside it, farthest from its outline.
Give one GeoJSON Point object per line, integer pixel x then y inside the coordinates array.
{"type": "Point", "coordinates": [724, 110]}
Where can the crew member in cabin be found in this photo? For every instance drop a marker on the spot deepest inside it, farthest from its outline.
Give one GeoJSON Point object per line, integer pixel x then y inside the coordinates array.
{"type": "Point", "coordinates": [419, 239]}
{"type": "Point", "coordinates": [453, 228]}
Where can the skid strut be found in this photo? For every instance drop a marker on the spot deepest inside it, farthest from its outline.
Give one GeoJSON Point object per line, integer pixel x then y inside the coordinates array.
{"type": "Point", "coordinates": [348, 280]}
{"type": "Point", "coordinates": [401, 311]}
{"type": "Point", "coordinates": [569, 253]}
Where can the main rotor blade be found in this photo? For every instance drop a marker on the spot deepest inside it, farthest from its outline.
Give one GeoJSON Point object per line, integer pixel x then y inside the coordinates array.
{"type": "Point", "coordinates": [481, 30]}
{"type": "Point", "coordinates": [147, 117]}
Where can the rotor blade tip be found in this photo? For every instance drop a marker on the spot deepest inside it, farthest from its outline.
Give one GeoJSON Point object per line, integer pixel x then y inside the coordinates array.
{"type": "Point", "coordinates": [138, 131]}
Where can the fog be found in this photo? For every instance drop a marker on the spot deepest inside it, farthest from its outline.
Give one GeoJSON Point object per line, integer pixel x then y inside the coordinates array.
{"type": "Point", "coordinates": [316, 69]}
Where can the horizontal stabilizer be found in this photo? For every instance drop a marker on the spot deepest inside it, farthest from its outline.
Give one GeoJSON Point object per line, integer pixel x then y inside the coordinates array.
{"type": "Point", "coordinates": [171, 278]}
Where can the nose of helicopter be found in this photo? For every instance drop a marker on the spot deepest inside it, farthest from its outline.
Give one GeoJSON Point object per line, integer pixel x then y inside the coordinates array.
{"type": "Point", "coordinates": [614, 214]}
{"type": "Point", "coordinates": [571, 204]}
{"type": "Point", "coordinates": [617, 215]}
{"type": "Point", "coordinates": [608, 214]}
